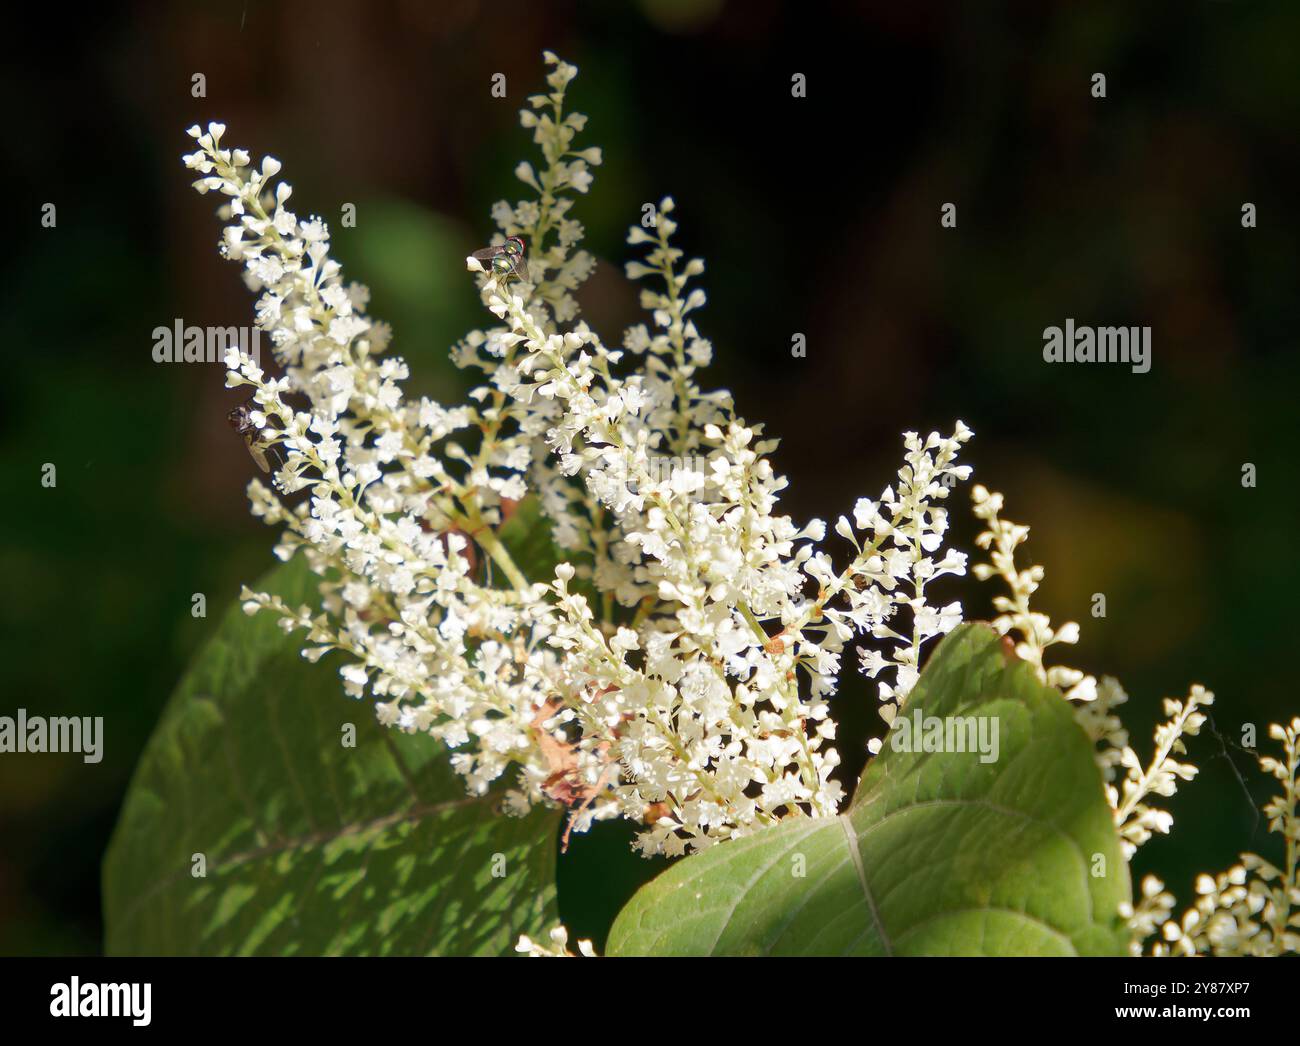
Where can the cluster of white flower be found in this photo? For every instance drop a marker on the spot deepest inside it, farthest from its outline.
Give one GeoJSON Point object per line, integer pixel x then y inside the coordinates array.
{"type": "Point", "coordinates": [1254, 907]}
{"type": "Point", "coordinates": [697, 698]}
{"type": "Point", "coordinates": [1032, 630]}
{"type": "Point", "coordinates": [658, 674]}
{"type": "Point", "coordinates": [676, 670]}
{"type": "Point", "coordinates": [895, 562]}
{"type": "Point", "coordinates": [557, 949]}
{"type": "Point", "coordinates": [1135, 819]}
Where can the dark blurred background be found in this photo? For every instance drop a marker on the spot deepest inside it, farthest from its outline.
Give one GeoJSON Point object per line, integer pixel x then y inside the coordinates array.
{"type": "Point", "coordinates": [818, 216]}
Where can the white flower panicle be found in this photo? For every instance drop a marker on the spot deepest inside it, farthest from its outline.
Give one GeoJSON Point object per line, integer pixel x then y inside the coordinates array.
{"type": "Point", "coordinates": [898, 544]}
{"type": "Point", "coordinates": [1032, 630]}
{"type": "Point", "coordinates": [1144, 918]}
{"type": "Point", "coordinates": [1254, 907]}
{"type": "Point", "coordinates": [1135, 819]}
{"type": "Point", "coordinates": [677, 669]}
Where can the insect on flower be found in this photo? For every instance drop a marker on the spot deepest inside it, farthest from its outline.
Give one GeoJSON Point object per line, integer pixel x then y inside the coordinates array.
{"type": "Point", "coordinates": [505, 259]}
{"type": "Point", "coordinates": [241, 420]}
{"type": "Point", "coordinates": [565, 783]}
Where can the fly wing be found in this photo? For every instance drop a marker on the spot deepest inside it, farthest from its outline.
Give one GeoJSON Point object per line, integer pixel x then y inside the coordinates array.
{"type": "Point", "coordinates": [486, 254]}
{"type": "Point", "coordinates": [257, 454]}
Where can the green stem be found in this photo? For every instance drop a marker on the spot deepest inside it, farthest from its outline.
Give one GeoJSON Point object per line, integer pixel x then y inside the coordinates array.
{"type": "Point", "coordinates": [488, 541]}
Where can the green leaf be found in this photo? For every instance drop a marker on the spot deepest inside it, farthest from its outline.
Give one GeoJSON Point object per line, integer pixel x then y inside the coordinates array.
{"type": "Point", "coordinates": [939, 853]}
{"type": "Point", "coordinates": [527, 537]}
{"type": "Point", "coordinates": [311, 847]}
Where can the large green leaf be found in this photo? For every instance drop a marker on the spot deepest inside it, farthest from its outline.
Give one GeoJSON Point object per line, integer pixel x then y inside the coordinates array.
{"type": "Point", "coordinates": [311, 847]}
{"type": "Point", "coordinates": [939, 853]}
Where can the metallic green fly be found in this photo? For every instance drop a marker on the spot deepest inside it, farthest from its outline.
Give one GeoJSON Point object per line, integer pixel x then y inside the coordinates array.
{"type": "Point", "coordinates": [505, 259]}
